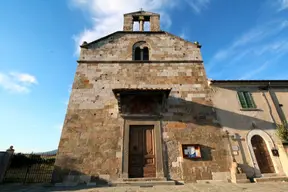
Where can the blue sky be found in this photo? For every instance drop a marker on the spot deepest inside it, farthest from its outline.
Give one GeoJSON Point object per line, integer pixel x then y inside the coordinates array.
{"type": "Point", "coordinates": [39, 47]}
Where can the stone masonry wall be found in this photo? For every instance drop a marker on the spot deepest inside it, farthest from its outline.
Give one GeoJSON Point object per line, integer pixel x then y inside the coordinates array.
{"type": "Point", "coordinates": [162, 46]}
{"type": "Point", "coordinates": [91, 138]}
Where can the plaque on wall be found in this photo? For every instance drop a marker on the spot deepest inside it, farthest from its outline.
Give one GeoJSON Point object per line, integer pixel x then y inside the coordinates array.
{"type": "Point", "coordinates": [192, 151]}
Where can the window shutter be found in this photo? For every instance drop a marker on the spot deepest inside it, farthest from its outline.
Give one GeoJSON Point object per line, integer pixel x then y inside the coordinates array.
{"type": "Point", "coordinates": [242, 100]}
{"type": "Point", "coordinates": [249, 99]}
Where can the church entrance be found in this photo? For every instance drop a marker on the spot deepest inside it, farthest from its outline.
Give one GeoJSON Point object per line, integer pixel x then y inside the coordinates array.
{"type": "Point", "coordinates": [262, 155]}
{"type": "Point", "coordinates": [141, 151]}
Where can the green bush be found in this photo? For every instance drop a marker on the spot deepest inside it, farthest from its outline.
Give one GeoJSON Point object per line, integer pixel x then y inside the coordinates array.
{"type": "Point", "coordinates": [282, 131]}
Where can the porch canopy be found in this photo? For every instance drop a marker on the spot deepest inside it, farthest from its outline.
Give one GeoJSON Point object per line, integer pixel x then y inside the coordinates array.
{"type": "Point", "coordinates": [141, 101]}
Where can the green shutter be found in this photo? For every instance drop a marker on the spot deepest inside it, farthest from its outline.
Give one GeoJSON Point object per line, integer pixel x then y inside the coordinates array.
{"type": "Point", "coordinates": [242, 99]}
{"type": "Point", "coordinates": [249, 100]}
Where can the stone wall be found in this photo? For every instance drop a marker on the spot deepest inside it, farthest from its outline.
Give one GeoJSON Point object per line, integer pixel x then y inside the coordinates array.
{"type": "Point", "coordinates": [128, 23]}
{"type": "Point", "coordinates": [154, 23]}
{"type": "Point", "coordinates": [119, 47]}
{"type": "Point", "coordinates": [92, 136]}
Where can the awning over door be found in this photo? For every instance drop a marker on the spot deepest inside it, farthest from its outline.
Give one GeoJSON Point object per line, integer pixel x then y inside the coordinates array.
{"type": "Point", "coordinates": [141, 101]}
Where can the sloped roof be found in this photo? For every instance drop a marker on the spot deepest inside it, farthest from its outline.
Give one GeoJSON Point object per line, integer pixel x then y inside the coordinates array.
{"type": "Point", "coordinates": [141, 13]}
{"type": "Point", "coordinates": [282, 83]}
{"type": "Point", "coordinates": [85, 44]}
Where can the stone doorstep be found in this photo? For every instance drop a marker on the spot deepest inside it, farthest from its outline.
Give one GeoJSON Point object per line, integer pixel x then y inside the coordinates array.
{"type": "Point", "coordinates": [141, 183]}
{"type": "Point", "coordinates": [66, 184]}
{"type": "Point", "coordinates": [243, 181]}
{"type": "Point", "coordinates": [74, 184]}
{"type": "Point", "coordinates": [271, 175]}
{"type": "Point", "coordinates": [241, 178]}
{"type": "Point", "coordinates": [211, 181]}
{"type": "Point", "coordinates": [271, 179]}
{"type": "Point", "coordinates": [144, 179]}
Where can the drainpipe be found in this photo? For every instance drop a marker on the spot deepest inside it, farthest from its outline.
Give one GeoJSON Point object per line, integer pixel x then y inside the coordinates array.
{"type": "Point", "coordinates": [276, 103]}
{"type": "Point", "coordinates": [279, 111]}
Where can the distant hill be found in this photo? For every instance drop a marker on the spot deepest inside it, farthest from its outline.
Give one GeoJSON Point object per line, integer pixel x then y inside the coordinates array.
{"type": "Point", "coordinates": [48, 152]}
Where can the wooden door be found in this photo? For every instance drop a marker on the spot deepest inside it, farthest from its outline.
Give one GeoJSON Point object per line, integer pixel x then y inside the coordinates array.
{"type": "Point", "coordinates": [262, 155]}
{"type": "Point", "coordinates": [141, 152]}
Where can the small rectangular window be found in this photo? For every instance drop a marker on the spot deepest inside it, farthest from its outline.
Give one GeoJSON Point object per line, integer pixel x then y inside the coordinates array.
{"type": "Point", "coordinates": [246, 100]}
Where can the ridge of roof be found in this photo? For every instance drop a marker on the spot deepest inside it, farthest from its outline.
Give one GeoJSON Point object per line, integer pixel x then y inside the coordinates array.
{"type": "Point", "coordinates": [85, 44]}
{"type": "Point", "coordinates": [281, 83]}
{"type": "Point", "coordinates": [142, 12]}
{"type": "Point", "coordinates": [246, 81]}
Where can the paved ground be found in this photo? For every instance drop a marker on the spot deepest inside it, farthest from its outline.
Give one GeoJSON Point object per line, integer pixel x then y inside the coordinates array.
{"type": "Point", "coordinates": [219, 187]}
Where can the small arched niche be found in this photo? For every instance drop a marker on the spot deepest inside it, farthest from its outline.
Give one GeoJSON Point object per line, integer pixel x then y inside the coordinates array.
{"type": "Point", "coordinates": [140, 51]}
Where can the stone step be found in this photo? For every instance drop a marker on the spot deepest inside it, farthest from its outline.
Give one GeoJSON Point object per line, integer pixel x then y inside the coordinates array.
{"type": "Point", "coordinates": [271, 179]}
{"type": "Point", "coordinates": [141, 183]}
{"type": "Point", "coordinates": [270, 175]}
{"type": "Point", "coordinates": [145, 179]}
{"type": "Point", "coordinates": [243, 181]}
{"type": "Point", "coordinates": [210, 181]}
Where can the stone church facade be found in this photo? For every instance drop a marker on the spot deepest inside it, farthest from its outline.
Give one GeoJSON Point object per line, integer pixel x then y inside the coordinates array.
{"type": "Point", "coordinates": [141, 107]}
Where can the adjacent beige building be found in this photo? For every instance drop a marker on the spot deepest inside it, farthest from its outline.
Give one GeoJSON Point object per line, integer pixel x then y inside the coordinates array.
{"type": "Point", "coordinates": [249, 111]}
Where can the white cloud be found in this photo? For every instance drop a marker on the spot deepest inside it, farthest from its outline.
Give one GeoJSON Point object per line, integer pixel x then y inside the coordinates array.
{"type": "Point", "coordinates": [24, 78]}
{"type": "Point", "coordinates": [278, 50]}
{"type": "Point", "coordinates": [17, 82]}
{"type": "Point", "coordinates": [261, 32]}
{"type": "Point", "coordinates": [198, 5]}
{"type": "Point", "coordinates": [283, 4]}
{"type": "Point", "coordinates": [255, 71]}
{"type": "Point", "coordinates": [251, 41]}
{"type": "Point", "coordinates": [107, 15]}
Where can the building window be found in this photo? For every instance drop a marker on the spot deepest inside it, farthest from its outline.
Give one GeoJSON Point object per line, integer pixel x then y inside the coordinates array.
{"type": "Point", "coordinates": [145, 54]}
{"type": "Point", "coordinates": [137, 53]}
{"type": "Point", "coordinates": [246, 100]}
{"type": "Point", "coordinates": [141, 54]}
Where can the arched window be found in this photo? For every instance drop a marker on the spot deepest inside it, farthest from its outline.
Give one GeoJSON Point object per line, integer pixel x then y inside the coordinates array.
{"type": "Point", "coordinates": [145, 54]}
{"type": "Point", "coordinates": [137, 54]}
{"type": "Point", "coordinates": [141, 54]}
{"type": "Point", "coordinates": [140, 51]}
